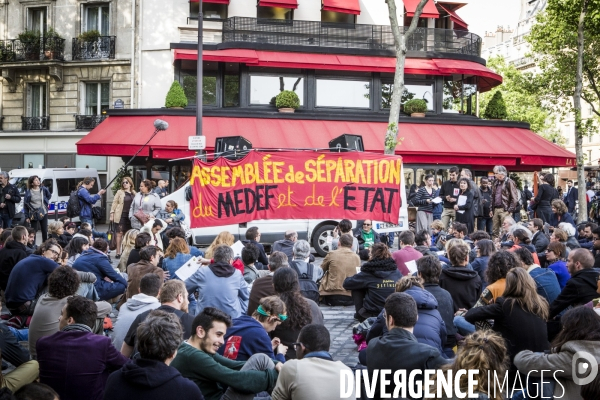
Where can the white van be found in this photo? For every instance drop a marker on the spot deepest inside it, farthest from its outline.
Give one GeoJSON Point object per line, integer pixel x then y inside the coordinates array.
{"type": "Point", "coordinates": [318, 232]}
{"type": "Point", "coordinates": [59, 181]}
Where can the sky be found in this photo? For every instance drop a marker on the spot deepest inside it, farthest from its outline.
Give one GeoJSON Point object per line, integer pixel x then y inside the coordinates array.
{"type": "Point", "coordinates": [486, 15]}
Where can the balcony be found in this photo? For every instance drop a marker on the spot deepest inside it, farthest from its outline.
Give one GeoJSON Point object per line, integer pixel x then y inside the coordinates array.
{"type": "Point", "coordinates": [47, 48]}
{"type": "Point", "coordinates": [331, 35]}
{"type": "Point", "coordinates": [102, 48]}
{"type": "Point", "coordinates": [35, 123]}
{"type": "Point", "coordinates": [88, 121]}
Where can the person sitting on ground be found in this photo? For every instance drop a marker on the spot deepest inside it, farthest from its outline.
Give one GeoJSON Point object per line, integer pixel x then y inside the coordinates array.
{"type": "Point", "coordinates": [150, 255]}
{"type": "Point", "coordinates": [250, 255]}
{"type": "Point", "coordinates": [86, 234]}
{"type": "Point", "coordinates": [464, 285]}
{"type": "Point", "coordinates": [12, 253]}
{"type": "Point", "coordinates": [300, 262]}
{"type": "Point", "coordinates": [224, 237]}
{"type": "Point", "coordinates": [484, 249]}
{"type": "Point", "coordinates": [286, 245]}
{"type": "Point", "coordinates": [580, 333]}
{"type": "Point", "coordinates": [97, 235]}
{"type": "Point", "coordinates": [220, 285]}
{"type": "Point", "coordinates": [4, 236]}
{"type": "Point", "coordinates": [263, 287]}
{"type": "Point", "coordinates": [572, 242]}
{"type": "Point", "coordinates": [423, 244]}
{"type": "Point", "coordinates": [407, 253]}
{"type": "Point", "coordinates": [35, 391]}
{"type": "Point", "coordinates": [521, 238]}
{"type": "Point", "coordinates": [539, 239]}
{"type": "Point", "coordinates": [345, 226]}
{"type": "Point", "coordinates": [337, 266]}
{"type": "Point", "coordinates": [560, 213]}
{"type": "Point", "coordinates": [56, 231]}
{"type": "Point", "coordinates": [556, 256]}
{"type": "Point", "coordinates": [146, 299]}
{"type": "Point", "coordinates": [250, 335]}
{"type": "Point", "coordinates": [22, 375]}
{"type": "Point", "coordinates": [177, 232]}
{"type": "Point", "coordinates": [310, 376]}
{"type": "Point", "coordinates": [176, 255]}
{"type": "Point", "coordinates": [519, 315]}
{"type": "Point", "coordinates": [586, 239]}
{"type": "Point", "coordinates": [300, 310]}
{"type": "Point", "coordinates": [173, 299]}
{"type": "Point", "coordinates": [507, 223]}
{"type": "Point", "coordinates": [31, 246]}
{"type": "Point", "coordinates": [171, 214]}
{"type": "Point", "coordinates": [63, 283]}
{"type": "Point", "coordinates": [155, 227]}
{"type": "Point", "coordinates": [582, 286]}
{"type": "Point", "coordinates": [545, 278]}
{"type": "Point", "coordinates": [151, 377]}
{"type": "Point", "coordinates": [141, 240]}
{"type": "Point", "coordinates": [109, 283]}
{"type": "Point", "coordinates": [253, 236]}
{"type": "Point", "coordinates": [430, 268]}
{"type": "Point", "coordinates": [76, 246]}
{"type": "Point", "coordinates": [28, 279]}
{"type": "Point", "coordinates": [197, 360]}
{"type": "Point", "coordinates": [366, 236]}
{"type": "Point", "coordinates": [484, 351]}
{"type": "Point", "coordinates": [591, 391]}
{"type": "Point", "coordinates": [70, 230]}
{"type": "Point", "coordinates": [438, 234]}
{"type": "Point", "coordinates": [74, 361]}
{"type": "Point", "coordinates": [127, 245]}
{"type": "Point", "coordinates": [374, 283]}
{"type": "Point", "coordinates": [399, 349]}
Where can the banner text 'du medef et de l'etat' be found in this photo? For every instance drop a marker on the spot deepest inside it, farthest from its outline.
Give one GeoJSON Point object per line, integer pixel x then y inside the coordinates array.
{"type": "Point", "coordinates": [293, 185]}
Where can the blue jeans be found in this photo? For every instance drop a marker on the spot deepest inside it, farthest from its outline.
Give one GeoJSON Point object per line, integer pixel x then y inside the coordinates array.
{"type": "Point", "coordinates": [485, 224]}
{"type": "Point", "coordinates": [6, 220]}
{"type": "Point", "coordinates": [22, 335]}
{"type": "Point", "coordinates": [464, 328]}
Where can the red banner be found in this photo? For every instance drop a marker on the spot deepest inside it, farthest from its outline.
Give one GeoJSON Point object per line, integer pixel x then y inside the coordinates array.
{"type": "Point", "coordinates": [293, 185]}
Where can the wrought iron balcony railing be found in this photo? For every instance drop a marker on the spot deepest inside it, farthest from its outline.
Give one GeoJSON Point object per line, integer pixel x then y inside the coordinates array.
{"type": "Point", "coordinates": [35, 123]}
{"type": "Point", "coordinates": [351, 36]}
{"type": "Point", "coordinates": [46, 48]}
{"type": "Point", "coordinates": [88, 121]}
{"type": "Point", "coordinates": [102, 48]}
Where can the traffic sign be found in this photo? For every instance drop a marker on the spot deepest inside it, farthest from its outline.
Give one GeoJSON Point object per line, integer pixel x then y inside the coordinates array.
{"type": "Point", "coordinates": [196, 142]}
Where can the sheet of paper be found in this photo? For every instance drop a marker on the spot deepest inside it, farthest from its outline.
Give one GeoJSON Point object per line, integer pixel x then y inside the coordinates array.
{"type": "Point", "coordinates": [462, 200]}
{"type": "Point", "coordinates": [188, 269]}
{"type": "Point", "coordinates": [237, 248]}
{"type": "Point", "coordinates": [437, 200]}
{"type": "Point", "coordinates": [357, 270]}
{"type": "Point", "coordinates": [412, 266]}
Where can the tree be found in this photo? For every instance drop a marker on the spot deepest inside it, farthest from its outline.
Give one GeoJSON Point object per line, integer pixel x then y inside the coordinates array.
{"type": "Point", "coordinates": [566, 45]}
{"type": "Point", "coordinates": [391, 135]}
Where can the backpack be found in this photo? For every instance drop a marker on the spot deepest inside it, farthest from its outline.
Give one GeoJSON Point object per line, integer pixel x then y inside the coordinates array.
{"type": "Point", "coordinates": [308, 287]}
{"type": "Point", "coordinates": [73, 205]}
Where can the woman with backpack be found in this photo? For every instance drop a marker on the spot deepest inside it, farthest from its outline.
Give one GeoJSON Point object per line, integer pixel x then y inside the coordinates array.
{"type": "Point", "coordinates": [145, 206]}
{"type": "Point", "coordinates": [86, 200]}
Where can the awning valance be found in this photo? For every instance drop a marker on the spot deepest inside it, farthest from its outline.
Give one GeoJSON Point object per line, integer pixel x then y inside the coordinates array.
{"type": "Point", "coordinates": [342, 6]}
{"type": "Point", "coordinates": [429, 11]}
{"type": "Point", "coordinates": [454, 17]}
{"type": "Point", "coordinates": [423, 143]}
{"type": "Point", "coordinates": [278, 3]}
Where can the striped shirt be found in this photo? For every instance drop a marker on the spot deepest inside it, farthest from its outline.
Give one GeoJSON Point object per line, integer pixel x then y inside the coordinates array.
{"type": "Point", "coordinates": [422, 197]}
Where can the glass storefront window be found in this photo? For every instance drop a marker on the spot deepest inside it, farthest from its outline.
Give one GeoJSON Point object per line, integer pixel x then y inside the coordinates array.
{"type": "Point", "coordinates": [33, 160]}
{"type": "Point", "coordinates": [411, 91]}
{"type": "Point", "coordinates": [459, 95]}
{"type": "Point", "coordinates": [231, 86]}
{"type": "Point", "coordinates": [97, 162]}
{"type": "Point", "coordinates": [180, 175]}
{"type": "Point", "coordinates": [263, 88]}
{"type": "Point", "coordinates": [343, 93]}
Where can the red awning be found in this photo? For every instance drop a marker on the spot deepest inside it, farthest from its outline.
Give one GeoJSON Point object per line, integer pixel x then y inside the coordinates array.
{"type": "Point", "coordinates": [211, 1]}
{"type": "Point", "coordinates": [230, 55]}
{"type": "Point", "coordinates": [342, 6]}
{"type": "Point", "coordinates": [454, 17]}
{"type": "Point", "coordinates": [429, 11]}
{"type": "Point", "coordinates": [488, 78]}
{"type": "Point", "coordinates": [278, 3]}
{"type": "Point", "coordinates": [423, 143]}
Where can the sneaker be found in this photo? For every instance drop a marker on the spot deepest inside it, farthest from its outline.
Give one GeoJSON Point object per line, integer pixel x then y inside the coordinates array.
{"type": "Point", "coordinates": [118, 256]}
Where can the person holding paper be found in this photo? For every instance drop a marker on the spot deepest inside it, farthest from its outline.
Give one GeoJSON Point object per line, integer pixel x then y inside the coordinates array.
{"type": "Point", "coordinates": [425, 201]}
{"type": "Point", "coordinates": [407, 255]}
{"type": "Point", "coordinates": [449, 192]}
{"type": "Point", "coordinates": [464, 205]}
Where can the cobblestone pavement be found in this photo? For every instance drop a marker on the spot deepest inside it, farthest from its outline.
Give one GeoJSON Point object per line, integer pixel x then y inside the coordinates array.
{"type": "Point", "coordinates": [339, 321]}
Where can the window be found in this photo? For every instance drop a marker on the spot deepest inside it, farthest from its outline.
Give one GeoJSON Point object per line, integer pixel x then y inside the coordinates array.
{"type": "Point", "coordinates": [97, 19]}
{"type": "Point", "coordinates": [33, 161]}
{"type": "Point", "coordinates": [459, 95]}
{"type": "Point", "coordinates": [66, 185]}
{"type": "Point", "coordinates": [97, 97]}
{"type": "Point", "coordinates": [54, 160]}
{"type": "Point", "coordinates": [97, 162]}
{"type": "Point", "coordinates": [343, 93]}
{"type": "Point", "coordinates": [36, 100]}
{"type": "Point", "coordinates": [274, 13]}
{"type": "Point", "coordinates": [209, 10]}
{"type": "Point", "coordinates": [264, 89]}
{"type": "Point", "coordinates": [231, 86]}
{"type": "Point", "coordinates": [336, 17]}
{"type": "Point", "coordinates": [37, 19]}
{"type": "Point", "coordinates": [188, 79]}
{"type": "Point", "coordinates": [411, 91]}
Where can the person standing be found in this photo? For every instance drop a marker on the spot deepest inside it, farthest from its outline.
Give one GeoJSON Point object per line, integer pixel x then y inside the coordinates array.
{"type": "Point", "coordinates": [505, 198]}
{"type": "Point", "coordinates": [145, 201]}
{"type": "Point", "coordinates": [9, 197]}
{"type": "Point", "coordinates": [424, 200]}
{"type": "Point", "coordinates": [543, 200]}
{"type": "Point", "coordinates": [484, 222]}
{"type": "Point", "coordinates": [86, 200]}
{"type": "Point", "coordinates": [449, 194]}
{"type": "Point", "coordinates": [465, 213]}
{"type": "Point", "coordinates": [119, 211]}
{"type": "Point", "coordinates": [36, 197]}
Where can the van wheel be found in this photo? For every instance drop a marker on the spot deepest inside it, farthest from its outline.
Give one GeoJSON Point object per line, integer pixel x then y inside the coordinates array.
{"type": "Point", "coordinates": [319, 239]}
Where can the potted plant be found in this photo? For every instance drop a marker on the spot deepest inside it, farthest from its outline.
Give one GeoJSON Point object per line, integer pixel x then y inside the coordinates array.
{"type": "Point", "coordinates": [53, 44]}
{"type": "Point", "coordinates": [30, 41]}
{"type": "Point", "coordinates": [6, 51]}
{"type": "Point", "coordinates": [415, 107]}
{"type": "Point", "coordinates": [89, 36]}
{"type": "Point", "coordinates": [176, 96]}
{"type": "Point", "coordinates": [496, 108]}
{"type": "Point", "coordinates": [287, 101]}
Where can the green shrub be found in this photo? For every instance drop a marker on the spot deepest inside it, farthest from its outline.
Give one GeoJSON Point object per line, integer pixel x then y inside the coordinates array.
{"type": "Point", "coordinates": [415, 106]}
{"type": "Point", "coordinates": [496, 108]}
{"type": "Point", "coordinates": [287, 99]}
{"type": "Point", "coordinates": [176, 96]}
{"type": "Point", "coordinates": [90, 36]}
{"type": "Point", "coordinates": [29, 37]}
